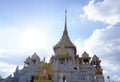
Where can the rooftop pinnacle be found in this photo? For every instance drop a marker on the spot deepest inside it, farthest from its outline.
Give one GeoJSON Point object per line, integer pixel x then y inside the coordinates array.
{"type": "Point", "coordinates": [65, 38]}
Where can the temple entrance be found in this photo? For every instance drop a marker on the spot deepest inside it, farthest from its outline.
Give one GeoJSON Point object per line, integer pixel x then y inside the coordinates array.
{"type": "Point", "coordinates": [32, 79]}
{"type": "Point", "coordinates": [63, 79]}
{"type": "Point", "coordinates": [49, 77]}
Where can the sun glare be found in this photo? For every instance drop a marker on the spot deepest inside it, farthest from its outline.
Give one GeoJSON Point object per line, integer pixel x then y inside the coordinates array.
{"type": "Point", "coordinates": [33, 39]}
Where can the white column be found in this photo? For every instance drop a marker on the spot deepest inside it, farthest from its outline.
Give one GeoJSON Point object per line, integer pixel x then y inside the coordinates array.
{"type": "Point", "coordinates": [57, 61]}
{"type": "Point", "coordinates": [65, 61]}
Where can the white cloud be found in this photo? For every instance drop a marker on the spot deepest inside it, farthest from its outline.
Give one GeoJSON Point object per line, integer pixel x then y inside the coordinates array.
{"type": "Point", "coordinates": [105, 44]}
{"type": "Point", "coordinates": [82, 16]}
{"type": "Point", "coordinates": [19, 42]}
{"type": "Point", "coordinates": [106, 11]}
{"type": "Point", "coordinates": [6, 68]}
{"type": "Point", "coordinates": [28, 37]}
{"type": "Point", "coordinates": [80, 45]}
{"type": "Point", "coordinates": [105, 40]}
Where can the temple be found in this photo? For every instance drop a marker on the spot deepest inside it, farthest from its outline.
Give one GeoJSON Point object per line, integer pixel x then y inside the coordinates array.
{"type": "Point", "coordinates": [64, 66]}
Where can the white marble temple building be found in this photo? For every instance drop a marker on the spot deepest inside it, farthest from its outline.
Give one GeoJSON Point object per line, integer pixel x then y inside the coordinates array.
{"type": "Point", "coordinates": [67, 65]}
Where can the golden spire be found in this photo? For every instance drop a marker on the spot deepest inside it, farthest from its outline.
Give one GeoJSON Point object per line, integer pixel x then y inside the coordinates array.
{"type": "Point", "coordinates": [65, 38]}
{"type": "Point", "coordinates": [65, 29]}
{"type": "Point", "coordinates": [65, 32]}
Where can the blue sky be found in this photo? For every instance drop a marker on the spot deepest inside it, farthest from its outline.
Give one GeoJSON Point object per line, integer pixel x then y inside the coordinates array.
{"type": "Point", "coordinates": [28, 26]}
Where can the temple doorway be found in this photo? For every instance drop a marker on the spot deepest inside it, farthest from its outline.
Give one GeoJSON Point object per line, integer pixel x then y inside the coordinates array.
{"type": "Point", "coordinates": [32, 79]}
{"type": "Point", "coordinates": [64, 80]}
